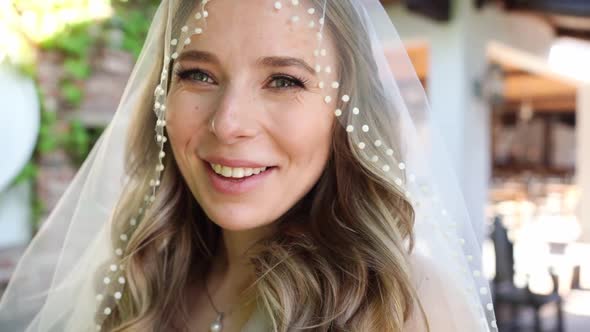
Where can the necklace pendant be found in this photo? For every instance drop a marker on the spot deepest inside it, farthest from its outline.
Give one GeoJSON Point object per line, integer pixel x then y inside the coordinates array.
{"type": "Point", "coordinates": [217, 325]}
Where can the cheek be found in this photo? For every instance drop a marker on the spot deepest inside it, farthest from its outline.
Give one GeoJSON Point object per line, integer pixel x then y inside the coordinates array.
{"type": "Point", "coordinates": [186, 120]}
{"type": "Point", "coordinates": [307, 136]}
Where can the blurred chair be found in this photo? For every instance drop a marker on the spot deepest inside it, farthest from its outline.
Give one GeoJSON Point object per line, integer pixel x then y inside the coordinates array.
{"type": "Point", "coordinates": [507, 294]}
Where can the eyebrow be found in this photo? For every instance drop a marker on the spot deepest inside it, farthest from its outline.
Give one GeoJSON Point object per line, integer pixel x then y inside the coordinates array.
{"type": "Point", "coordinates": [279, 61]}
{"type": "Point", "coordinates": [194, 55]}
{"type": "Point", "coordinates": [271, 61]}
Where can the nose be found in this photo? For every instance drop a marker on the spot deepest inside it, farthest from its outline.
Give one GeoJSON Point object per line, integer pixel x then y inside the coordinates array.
{"type": "Point", "coordinates": [234, 118]}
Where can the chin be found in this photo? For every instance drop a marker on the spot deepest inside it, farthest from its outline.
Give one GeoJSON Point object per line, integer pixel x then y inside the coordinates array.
{"type": "Point", "coordinates": [236, 226]}
{"type": "Point", "coordinates": [237, 221]}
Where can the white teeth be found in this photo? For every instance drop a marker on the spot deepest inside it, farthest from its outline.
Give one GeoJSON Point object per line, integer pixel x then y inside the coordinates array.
{"type": "Point", "coordinates": [236, 172]}
{"type": "Point", "coordinates": [226, 171]}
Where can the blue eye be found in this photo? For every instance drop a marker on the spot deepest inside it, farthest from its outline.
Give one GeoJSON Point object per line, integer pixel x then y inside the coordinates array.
{"type": "Point", "coordinates": [286, 82]}
{"type": "Point", "coordinates": [195, 75]}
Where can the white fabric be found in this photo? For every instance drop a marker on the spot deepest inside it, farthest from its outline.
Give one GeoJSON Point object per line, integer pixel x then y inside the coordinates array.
{"type": "Point", "coordinates": [53, 286]}
{"type": "Point", "coordinates": [18, 136]}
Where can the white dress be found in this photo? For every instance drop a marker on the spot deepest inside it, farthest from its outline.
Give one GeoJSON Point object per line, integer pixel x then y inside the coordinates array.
{"type": "Point", "coordinates": [257, 323]}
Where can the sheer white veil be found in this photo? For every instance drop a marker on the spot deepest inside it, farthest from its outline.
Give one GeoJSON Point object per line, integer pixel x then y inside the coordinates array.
{"type": "Point", "coordinates": [54, 287]}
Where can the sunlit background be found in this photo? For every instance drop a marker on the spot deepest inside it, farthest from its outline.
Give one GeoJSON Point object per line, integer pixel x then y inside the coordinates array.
{"type": "Point", "coordinates": [509, 85]}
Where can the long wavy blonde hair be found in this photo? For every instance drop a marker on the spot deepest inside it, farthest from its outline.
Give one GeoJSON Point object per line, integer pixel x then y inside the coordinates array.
{"type": "Point", "coordinates": [343, 250]}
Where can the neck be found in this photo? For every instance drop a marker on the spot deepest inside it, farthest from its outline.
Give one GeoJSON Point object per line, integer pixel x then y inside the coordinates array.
{"type": "Point", "coordinates": [231, 263]}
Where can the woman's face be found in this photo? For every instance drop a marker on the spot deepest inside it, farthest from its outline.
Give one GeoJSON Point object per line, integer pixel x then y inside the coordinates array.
{"type": "Point", "coordinates": [247, 119]}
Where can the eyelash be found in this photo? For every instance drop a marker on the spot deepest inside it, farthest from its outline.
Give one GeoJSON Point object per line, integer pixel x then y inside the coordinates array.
{"type": "Point", "coordinates": [297, 82]}
{"type": "Point", "coordinates": [185, 74]}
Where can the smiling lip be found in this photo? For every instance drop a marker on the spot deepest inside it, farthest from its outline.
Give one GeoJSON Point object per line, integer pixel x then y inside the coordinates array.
{"type": "Point", "coordinates": [234, 163]}
{"type": "Point", "coordinates": [235, 186]}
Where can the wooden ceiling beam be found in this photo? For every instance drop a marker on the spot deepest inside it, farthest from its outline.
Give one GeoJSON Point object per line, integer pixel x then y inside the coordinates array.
{"type": "Point", "coordinates": [567, 105]}
{"type": "Point", "coordinates": [531, 87]}
{"type": "Point", "coordinates": [419, 55]}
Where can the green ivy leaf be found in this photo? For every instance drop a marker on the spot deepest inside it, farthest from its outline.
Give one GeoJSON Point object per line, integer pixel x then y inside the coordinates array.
{"type": "Point", "coordinates": [47, 145]}
{"type": "Point", "coordinates": [77, 42]}
{"type": "Point", "coordinates": [78, 68]}
{"type": "Point", "coordinates": [47, 140]}
{"type": "Point", "coordinates": [28, 172]}
{"type": "Point", "coordinates": [48, 118]}
{"type": "Point", "coordinates": [38, 207]}
{"type": "Point", "coordinates": [78, 141]}
{"type": "Point", "coordinates": [71, 93]}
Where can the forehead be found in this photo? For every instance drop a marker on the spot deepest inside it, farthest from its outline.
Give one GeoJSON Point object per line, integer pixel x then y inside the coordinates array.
{"type": "Point", "coordinates": [256, 27]}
